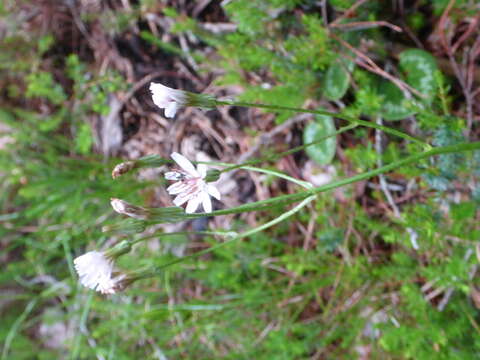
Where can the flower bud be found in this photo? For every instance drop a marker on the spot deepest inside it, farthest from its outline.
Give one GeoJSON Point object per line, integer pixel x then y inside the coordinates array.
{"type": "Point", "coordinates": [125, 208]}
{"type": "Point", "coordinates": [212, 175]}
{"type": "Point", "coordinates": [145, 161]}
{"type": "Point", "coordinates": [123, 168]}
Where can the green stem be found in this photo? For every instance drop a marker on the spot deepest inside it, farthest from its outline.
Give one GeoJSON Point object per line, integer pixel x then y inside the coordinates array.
{"type": "Point", "coordinates": [328, 113]}
{"type": "Point", "coordinates": [291, 198]}
{"type": "Point", "coordinates": [158, 269]}
{"type": "Point", "coordinates": [279, 174]}
{"type": "Point", "coordinates": [161, 235]}
{"type": "Point", "coordinates": [306, 197]}
{"type": "Point", "coordinates": [14, 329]}
{"type": "Point", "coordinates": [302, 183]}
{"type": "Point", "coordinates": [291, 151]}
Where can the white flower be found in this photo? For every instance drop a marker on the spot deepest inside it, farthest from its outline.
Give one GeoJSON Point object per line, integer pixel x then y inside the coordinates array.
{"type": "Point", "coordinates": [190, 186]}
{"type": "Point", "coordinates": [169, 99]}
{"type": "Point", "coordinates": [95, 272]}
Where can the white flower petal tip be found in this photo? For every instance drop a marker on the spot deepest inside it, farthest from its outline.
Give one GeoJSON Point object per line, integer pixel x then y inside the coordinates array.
{"type": "Point", "coordinates": [213, 191]}
{"type": "Point", "coordinates": [169, 99]}
{"type": "Point", "coordinates": [95, 272]}
{"type": "Point", "coordinates": [185, 164]}
{"type": "Point", "coordinates": [190, 186]}
{"type": "Point", "coordinates": [125, 208]}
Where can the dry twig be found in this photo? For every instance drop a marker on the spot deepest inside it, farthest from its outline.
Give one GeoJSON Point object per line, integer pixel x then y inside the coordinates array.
{"type": "Point", "coordinates": [367, 63]}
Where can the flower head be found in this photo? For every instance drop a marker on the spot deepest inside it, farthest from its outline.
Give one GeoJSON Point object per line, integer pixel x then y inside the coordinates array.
{"type": "Point", "coordinates": [167, 98]}
{"type": "Point", "coordinates": [171, 99]}
{"type": "Point", "coordinates": [190, 186]}
{"type": "Point", "coordinates": [95, 271]}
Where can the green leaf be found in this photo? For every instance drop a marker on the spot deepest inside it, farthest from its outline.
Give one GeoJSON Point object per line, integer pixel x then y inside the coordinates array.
{"type": "Point", "coordinates": [42, 84]}
{"type": "Point", "coordinates": [420, 68]}
{"type": "Point", "coordinates": [337, 79]}
{"type": "Point", "coordinates": [323, 152]}
{"type": "Point", "coordinates": [84, 139]}
{"type": "Point", "coordinates": [394, 106]}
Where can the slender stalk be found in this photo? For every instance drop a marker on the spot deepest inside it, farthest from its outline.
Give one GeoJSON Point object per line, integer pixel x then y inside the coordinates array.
{"type": "Point", "coordinates": [328, 113]}
{"type": "Point", "coordinates": [158, 269]}
{"type": "Point", "coordinates": [291, 198]}
{"type": "Point", "coordinates": [279, 174]}
{"type": "Point", "coordinates": [306, 197]}
{"type": "Point", "coordinates": [179, 233]}
{"type": "Point", "coordinates": [16, 326]}
{"type": "Point", "coordinates": [291, 151]}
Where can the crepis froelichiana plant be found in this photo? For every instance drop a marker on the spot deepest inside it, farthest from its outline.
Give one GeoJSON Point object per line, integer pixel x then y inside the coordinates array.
{"type": "Point", "coordinates": [192, 186]}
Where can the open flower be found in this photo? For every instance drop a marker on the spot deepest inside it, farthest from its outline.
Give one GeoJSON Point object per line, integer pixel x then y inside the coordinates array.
{"type": "Point", "coordinates": [95, 271]}
{"type": "Point", "coordinates": [171, 99]}
{"type": "Point", "coordinates": [190, 186]}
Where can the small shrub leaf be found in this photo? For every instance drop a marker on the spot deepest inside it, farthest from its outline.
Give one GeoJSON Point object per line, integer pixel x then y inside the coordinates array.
{"type": "Point", "coordinates": [322, 153]}
{"type": "Point", "coordinates": [420, 68]}
{"type": "Point", "coordinates": [394, 103]}
{"type": "Point", "coordinates": [337, 79]}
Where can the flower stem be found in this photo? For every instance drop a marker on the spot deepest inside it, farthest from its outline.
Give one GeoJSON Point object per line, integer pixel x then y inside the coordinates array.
{"type": "Point", "coordinates": [178, 233]}
{"type": "Point", "coordinates": [291, 151]}
{"type": "Point", "coordinates": [279, 174]}
{"type": "Point", "coordinates": [291, 198]}
{"type": "Point", "coordinates": [328, 113]}
{"type": "Point", "coordinates": [158, 269]}
{"type": "Point", "coordinates": [306, 197]}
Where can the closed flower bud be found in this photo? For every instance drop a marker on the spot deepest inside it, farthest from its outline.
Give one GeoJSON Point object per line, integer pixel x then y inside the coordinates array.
{"type": "Point", "coordinates": [125, 208]}
{"type": "Point", "coordinates": [123, 168]}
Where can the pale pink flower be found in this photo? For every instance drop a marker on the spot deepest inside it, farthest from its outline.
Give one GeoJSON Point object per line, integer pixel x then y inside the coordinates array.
{"type": "Point", "coordinates": [190, 186]}
{"type": "Point", "coordinates": [95, 271]}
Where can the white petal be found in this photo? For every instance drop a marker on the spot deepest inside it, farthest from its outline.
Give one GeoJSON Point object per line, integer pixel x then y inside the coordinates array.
{"type": "Point", "coordinates": [213, 191]}
{"type": "Point", "coordinates": [160, 94]}
{"type": "Point", "coordinates": [107, 286]}
{"type": "Point", "coordinates": [202, 170]}
{"type": "Point", "coordinates": [171, 109]}
{"type": "Point", "coordinates": [94, 270]}
{"type": "Point", "coordinates": [193, 204]}
{"type": "Point", "coordinates": [173, 175]}
{"type": "Point", "coordinates": [206, 202]}
{"type": "Point", "coordinates": [177, 188]}
{"type": "Point", "coordinates": [185, 164]}
{"type": "Point", "coordinates": [183, 198]}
